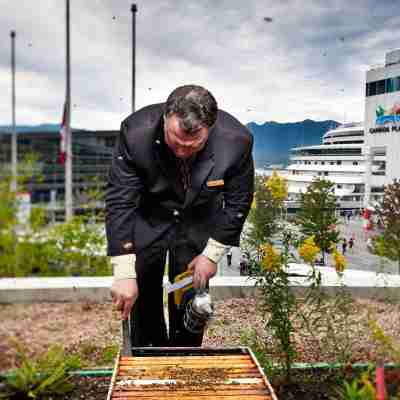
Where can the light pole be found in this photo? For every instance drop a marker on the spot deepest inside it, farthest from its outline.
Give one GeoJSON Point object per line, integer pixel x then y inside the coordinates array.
{"type": "Point", "coordinates": [14, 130]}
{"type": "Point", "coordinates": [134, 11]}
{"type": "Point", "coordinates": [68, 135]}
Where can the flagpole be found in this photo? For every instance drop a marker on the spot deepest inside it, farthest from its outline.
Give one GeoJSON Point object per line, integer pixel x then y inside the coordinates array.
{"type": "Point", "coordinates": [14, 130]}
{"type": "Point", "coordinates": [68, 133]}
{"type": "Point", "coordinates": [134, 11]}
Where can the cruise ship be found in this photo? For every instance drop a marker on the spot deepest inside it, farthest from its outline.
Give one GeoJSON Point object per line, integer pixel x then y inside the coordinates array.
{"type": "Point", "coordinates": [340, 159]}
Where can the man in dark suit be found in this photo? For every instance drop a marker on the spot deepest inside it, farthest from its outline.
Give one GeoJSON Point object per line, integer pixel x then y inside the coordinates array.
{"type": "Point", "coordinates": [181, 182]}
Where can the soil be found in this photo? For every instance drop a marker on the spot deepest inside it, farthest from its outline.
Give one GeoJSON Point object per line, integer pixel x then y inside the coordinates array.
{"type": "Point", "coordinates": [311, 385]}
{"type": "Point", "coordinates": [90, 329]}
{"type": "Point", "coordinates": [93, 331]}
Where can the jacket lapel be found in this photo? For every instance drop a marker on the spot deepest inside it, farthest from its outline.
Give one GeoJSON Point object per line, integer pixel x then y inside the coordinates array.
{"type": "Point", "coordinates": [167, 167]}
{"type": "Point", "coordinates": [201, 169]}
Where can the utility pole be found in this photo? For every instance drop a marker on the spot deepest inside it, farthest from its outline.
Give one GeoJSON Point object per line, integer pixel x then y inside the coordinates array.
{"type": "Point", "coordinates": [68, 133]}
{"type": "Point", "coordinates": [134, 11]}
{"type": "Point", "coordinates": [14, 130]}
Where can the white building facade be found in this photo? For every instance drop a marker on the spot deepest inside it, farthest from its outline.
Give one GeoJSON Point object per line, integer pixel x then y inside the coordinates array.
{"type": "Point", "coordinates": [382, 125]}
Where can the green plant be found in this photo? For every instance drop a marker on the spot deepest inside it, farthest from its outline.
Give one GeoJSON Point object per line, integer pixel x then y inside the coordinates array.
{"type": "Point", "coordinates": [109, 353]}
{"type": "Point", "coordinates": [328, 319]}
{"type": "Point", "coordinates": [317, 214]}
{"type": "Point", "coordinates": [85, 246]}
{"type": "Point", "coordinates": [388, 348]}
{"type": "Point", "coordinates": [91, 199]}
{"type": "Point", "coordinates": [278, 302]}
{"type": "Point", "coordinates": [42, 378]}
{"type": "Point", "coordinates": [250, 338]}
{"type": "Point", "coordinates": [388, 243]}
{"type": "Point", "coordinates": [360, 388]}
{"type": "Point", "coordinates": [76, 247]}
{"type": "Point", "coordinates": [87, 349]}
{"type": "Point", "coordinates": [10, 226]}
{"type": "Point", "coordinates": [266, 210]}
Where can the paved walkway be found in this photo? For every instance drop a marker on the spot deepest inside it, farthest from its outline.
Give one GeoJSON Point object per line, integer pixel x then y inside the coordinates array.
{"type": "Point", "coordinates": [359, 258]}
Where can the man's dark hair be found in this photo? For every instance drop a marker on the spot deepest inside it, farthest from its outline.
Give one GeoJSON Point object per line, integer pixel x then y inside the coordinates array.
{"type": "Point", "coordinates": [193, 105]}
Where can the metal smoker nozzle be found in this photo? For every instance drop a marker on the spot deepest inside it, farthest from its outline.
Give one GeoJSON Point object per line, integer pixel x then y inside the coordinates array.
{"type": "Point", "coordinates": [202, 303]}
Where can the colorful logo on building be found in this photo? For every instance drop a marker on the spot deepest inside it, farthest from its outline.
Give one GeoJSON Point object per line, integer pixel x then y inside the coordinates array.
{"type": "Point", "coordinates": [388, 116]}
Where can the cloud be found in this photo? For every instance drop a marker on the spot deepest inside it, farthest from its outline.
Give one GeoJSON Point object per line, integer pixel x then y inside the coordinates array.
{"type": "Point", "coordinates": [308, 61]}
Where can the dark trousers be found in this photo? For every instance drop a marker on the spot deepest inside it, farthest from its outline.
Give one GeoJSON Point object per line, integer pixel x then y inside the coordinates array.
{"type": "Point", "coordinates": [147, 317]}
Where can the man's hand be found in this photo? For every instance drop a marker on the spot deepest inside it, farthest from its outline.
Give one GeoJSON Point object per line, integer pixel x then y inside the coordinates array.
{"type": "Point", "coordinates": [124, 293]}
{"type": "Point", "coordinates": [203, 270]}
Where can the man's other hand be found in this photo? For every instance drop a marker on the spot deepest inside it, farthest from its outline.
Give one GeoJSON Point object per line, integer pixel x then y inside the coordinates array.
{"type": "Point", "coordinates": [203, 270]}
{"type": "Point", "coordinates": [124, 293]}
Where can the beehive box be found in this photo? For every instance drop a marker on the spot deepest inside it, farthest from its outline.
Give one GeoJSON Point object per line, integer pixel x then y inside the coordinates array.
{"type": "Point", "coordinates": [189, 374]}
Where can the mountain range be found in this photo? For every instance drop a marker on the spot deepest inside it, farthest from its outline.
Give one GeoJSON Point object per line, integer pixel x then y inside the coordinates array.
{"type": "Point", "coordinates": [273, 140]}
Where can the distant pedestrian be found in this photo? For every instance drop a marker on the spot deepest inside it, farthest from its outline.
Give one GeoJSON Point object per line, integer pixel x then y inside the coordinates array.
{"type": "Point", "coordinates": [370, 245]}
{"type": "Point", "coordinates": [229, 258]}
{"type": "Point", "coordinates": [344, 246]}
{"type": "Point", "coordinates": [244, 265]}
{"type": "Point", "coordinates": [349, 215]}
{"type": "Point", "coordinates": [351, 243]}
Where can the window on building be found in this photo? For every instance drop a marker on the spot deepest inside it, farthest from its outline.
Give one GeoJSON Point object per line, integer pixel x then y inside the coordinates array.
{"type": "Point", "coordinates": [380, 86]}
{"type": "Point", "coordinates": [390, 85]}
{"type": "Point", "coordinates": [322, 162]}
{"type": "Point", "coordinates": [396, 84]}
{"type": "Point", "coordinates": [110, 141]}
{"type": "Point", "coordinates": [332, 163]}
{"type": "Point", "coordinates": [339, 186]}
{"type": "Point", "coordinates": [371, 89]}
{"type": "Point", "coordinates": [326, 173]}
{"type": "Point", "coordinates": [355, 162]}
{"type": "Point", "coordinates": [338, 162]}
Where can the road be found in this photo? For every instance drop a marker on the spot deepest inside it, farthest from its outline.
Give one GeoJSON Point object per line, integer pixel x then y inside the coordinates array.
{"type": "Point", "coordinates": [358, 258]}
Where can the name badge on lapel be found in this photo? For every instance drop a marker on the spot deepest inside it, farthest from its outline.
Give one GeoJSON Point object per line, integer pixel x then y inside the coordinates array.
{"type": "Point", "coordinates": [216, 183]}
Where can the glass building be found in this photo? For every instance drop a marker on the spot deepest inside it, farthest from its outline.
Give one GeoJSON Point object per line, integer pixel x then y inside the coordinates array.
{"type": "Point", "coordinates": [92, 152]}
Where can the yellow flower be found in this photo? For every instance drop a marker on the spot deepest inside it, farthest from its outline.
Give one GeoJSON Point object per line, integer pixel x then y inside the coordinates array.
{"type": "Point", "coordinates": [308, 251]}
{"type": "Point", "coordinates": [340, 260]}
{"type": "Point", "coordinates": [278, 186]}
{"type": "Point", "coordinates": [272, 260]}
{"type": "Point", "coordinates": [254, 202]}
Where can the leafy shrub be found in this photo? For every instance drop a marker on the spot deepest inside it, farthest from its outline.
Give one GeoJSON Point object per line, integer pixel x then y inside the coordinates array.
{"type": "Point", "coordinates": [71, 248]}
{"type": "Point", "coordinates": [110, 353]}
{"type": "Point", "coordinates": [41, 378]}
{"type": "Point", "coordinates": [76, 247]}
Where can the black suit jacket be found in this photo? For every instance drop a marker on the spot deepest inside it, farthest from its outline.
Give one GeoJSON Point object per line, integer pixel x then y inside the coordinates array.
{"type": "Point", "coordinates": [144, 196]}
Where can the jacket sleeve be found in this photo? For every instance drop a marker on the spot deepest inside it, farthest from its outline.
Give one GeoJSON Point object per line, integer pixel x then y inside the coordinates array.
{"type": "Point", "coordinates": [238, 196]}
{"type": "Point", "coordinates": [122, 197]}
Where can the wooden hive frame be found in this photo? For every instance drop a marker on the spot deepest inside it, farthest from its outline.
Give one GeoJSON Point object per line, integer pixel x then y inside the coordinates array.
{"type": "Point", "coordinates": [189, 374]}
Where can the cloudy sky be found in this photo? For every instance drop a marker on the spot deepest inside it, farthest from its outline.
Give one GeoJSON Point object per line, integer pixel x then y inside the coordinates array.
{"type": "Point", "coordinates": [281, 60]}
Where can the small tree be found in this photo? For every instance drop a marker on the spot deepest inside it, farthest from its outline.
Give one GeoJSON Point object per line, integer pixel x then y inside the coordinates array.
{"type": "Point", "coordinates": [317, 215]}
{"type": "Point", "coordinates": [388, 243]}
{"type": "Point", "coordinates": [267, 208]}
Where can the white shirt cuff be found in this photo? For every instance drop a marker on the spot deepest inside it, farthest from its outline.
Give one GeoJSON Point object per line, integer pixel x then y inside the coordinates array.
{"type": "Point", "coordinates": [215, 250]}
{"type": "Point", "coordinates": [124, 266]}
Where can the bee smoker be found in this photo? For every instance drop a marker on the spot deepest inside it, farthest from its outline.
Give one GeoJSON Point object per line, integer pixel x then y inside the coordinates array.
{"type": "Point", "coordinates": [198, 311]}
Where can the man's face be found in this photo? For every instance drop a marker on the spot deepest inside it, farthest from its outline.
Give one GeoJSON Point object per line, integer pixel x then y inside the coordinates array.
{"type": "Point", "coordinates": [182, 144]}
